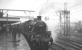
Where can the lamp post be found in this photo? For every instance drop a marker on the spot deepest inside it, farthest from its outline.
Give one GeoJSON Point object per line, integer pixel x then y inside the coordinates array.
{"type": "Point", "coordinates": [65, 19]}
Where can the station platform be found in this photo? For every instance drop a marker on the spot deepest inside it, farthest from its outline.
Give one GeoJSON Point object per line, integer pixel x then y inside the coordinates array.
{"type": "Point", "coordinates": [6, 42]}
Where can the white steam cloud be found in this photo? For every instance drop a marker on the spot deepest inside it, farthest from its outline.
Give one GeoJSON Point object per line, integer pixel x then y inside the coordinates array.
{"type": "Point", "coordinates": [48, 10]}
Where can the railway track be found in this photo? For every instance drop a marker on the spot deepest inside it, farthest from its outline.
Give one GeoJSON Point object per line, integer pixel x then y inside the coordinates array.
{"type": "Point", "coordinates": [63, 43]}
{"type": "Point", "coordinates": [70, 44]}
{"type": "Point", "coordinates": [57, 47]}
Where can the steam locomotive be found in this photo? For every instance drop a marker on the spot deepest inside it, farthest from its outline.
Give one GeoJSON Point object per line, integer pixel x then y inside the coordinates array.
{"type": "Point", "coordinates": [35, 32]}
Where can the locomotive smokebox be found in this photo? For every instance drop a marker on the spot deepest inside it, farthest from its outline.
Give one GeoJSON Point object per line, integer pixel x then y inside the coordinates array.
{"type": "Point", "coordinates": [39, 17]}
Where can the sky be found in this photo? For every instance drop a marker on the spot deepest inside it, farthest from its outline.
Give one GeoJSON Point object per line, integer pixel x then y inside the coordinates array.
{"type": "Point", "coordinates": [44, 7]}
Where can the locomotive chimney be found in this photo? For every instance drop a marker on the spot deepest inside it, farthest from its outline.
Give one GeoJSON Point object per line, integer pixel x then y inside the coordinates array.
{"type": "Point", "coordinates": [39, 17]}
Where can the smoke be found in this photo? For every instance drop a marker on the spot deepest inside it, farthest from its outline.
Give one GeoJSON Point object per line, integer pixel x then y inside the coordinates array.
{"type": "Point", "coordinates": [52, 26]}
{"type": "Point", "coordinates": [49, 10]}
{"type": "Point", "coordinates": [52, 22]}
{"type": "Point", "coordinates": [46, 7]}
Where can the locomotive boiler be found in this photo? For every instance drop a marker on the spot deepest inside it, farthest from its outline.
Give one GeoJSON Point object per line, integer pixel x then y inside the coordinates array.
{"type": "Point", "coordinates": [36, 33]}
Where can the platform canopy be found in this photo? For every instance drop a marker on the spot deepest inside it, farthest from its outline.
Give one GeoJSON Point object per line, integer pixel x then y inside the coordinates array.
{"type": "Point", "coordinates": [9, 20]}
